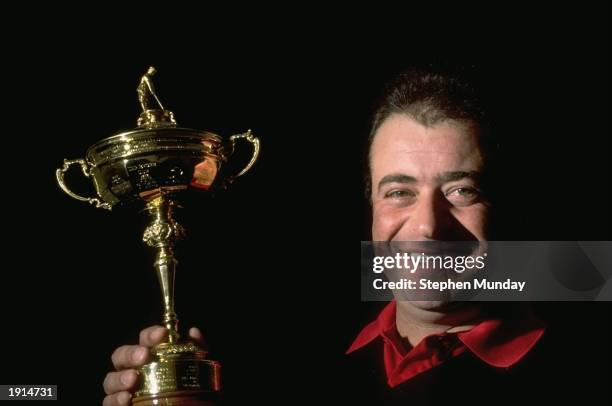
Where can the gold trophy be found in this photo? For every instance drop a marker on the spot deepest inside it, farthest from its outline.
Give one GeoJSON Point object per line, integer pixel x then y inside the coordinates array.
{"type": "Point", "coordinates": [153, 165]}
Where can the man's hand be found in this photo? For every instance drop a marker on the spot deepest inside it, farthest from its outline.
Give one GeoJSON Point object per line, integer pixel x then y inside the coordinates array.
{"type": "Point", "coordinates": [127, 358]}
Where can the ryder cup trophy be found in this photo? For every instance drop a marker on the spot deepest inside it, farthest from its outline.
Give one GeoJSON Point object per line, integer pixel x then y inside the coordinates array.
{"type": "Point", "coordinates": [153, 165]}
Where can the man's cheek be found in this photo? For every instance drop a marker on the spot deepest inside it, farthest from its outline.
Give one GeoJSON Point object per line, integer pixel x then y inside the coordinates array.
{"type": "Point", "coordinates": [385, 223]}
{"type": "Point", "coordinates": [474, 219]}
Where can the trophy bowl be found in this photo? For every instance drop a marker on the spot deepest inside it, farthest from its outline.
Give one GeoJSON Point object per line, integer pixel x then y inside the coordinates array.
{"type": "Point", "coordinates": [141, 164]}
{"type": "Point", "coordinates": [154, 165]}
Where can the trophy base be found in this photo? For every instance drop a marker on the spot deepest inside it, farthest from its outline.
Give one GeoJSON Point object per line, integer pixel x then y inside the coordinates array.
{"type": "Point", "coordinates": [183, 398]}
{"type": "Point", "coordinates": [179, 375]}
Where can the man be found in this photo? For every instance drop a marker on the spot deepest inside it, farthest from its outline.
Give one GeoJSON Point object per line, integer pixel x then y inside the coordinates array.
{"type": "Point", "coordinates": [430, 179]}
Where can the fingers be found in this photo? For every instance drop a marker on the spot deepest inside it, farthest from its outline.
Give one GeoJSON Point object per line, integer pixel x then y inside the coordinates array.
{"type": "Point", "coordinates": [196, 336]}
{"type": "Point", "coordinates": [127, 358]}
{"type": "Point", "coordinates": [130, 356]}
{"type": "Point", "coordinates": [151, 336]}
{"type": "Point", "coordinates": [120, 381]}
{"type": "Point", "coordinates": [117, 399]}
{"type": "Point", "coordinates": [133, 356]}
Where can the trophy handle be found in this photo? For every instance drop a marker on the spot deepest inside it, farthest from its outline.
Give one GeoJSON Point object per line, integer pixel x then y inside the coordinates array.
{"type": "Point", "coordinates": [59, 174]}
{"type": "Point", "coordinates": [248, 136]}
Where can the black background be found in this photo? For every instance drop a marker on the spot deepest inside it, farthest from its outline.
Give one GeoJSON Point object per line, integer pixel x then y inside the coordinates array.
{"type": "Point", "coordinates": [266, 271]}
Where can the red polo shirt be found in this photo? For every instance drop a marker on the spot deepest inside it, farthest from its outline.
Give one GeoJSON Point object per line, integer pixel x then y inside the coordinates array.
{"type": "Point", "coordinates": [499, 343]}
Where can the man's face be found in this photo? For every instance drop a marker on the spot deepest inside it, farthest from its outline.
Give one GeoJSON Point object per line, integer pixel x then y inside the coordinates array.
{"type": "Point", "coordinates": [425, 182]}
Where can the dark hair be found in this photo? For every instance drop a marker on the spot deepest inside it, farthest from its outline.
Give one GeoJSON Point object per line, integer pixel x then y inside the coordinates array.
{"type": "Point", "coordinates": [430, 98]}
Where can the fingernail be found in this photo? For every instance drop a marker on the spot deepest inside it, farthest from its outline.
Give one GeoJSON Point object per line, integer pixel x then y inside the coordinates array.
{"type": "Point", "coordinates": [127, 378]}
{"type": "Point", "coordinates": [139, 354]}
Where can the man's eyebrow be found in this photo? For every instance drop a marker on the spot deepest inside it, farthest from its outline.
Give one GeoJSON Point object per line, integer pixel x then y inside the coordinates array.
{"type": "Point", "coordinates": [441, 178]}
{"type": "Point", "coordinates": [396, 178]}
{"type": "Point", "coordinates": [458, 175]}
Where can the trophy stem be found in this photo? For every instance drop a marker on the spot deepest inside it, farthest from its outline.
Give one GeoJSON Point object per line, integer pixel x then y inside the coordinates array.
{"type": "Point", "coordinates": [161, 233]}
{"type": "Point", "coordinates": [180, 373]}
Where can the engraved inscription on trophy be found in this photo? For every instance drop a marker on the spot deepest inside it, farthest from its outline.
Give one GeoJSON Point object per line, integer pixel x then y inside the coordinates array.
{"type": "Point", "coordinates": [141, 175]}
{"type": "Point", "coordinates": [119, 186]}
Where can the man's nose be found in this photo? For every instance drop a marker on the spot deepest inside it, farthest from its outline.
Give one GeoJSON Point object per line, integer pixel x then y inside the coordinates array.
{"type": "Point", "coordinates": [428, 217]}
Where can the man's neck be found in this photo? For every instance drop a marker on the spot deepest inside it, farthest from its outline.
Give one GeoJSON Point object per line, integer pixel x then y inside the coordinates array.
{"type": "Point", "coordinates": [415, 323]}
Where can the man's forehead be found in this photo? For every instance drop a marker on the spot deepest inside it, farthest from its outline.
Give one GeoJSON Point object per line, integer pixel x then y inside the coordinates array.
{"type": "Point", "coordinates": [401, 132]}
{"type": "Point", "coordinates": [403, 142]}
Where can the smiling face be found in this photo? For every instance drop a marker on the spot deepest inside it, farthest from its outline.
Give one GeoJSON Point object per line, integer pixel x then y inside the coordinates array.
{"type": "Point", "coordinates": [426, 182]}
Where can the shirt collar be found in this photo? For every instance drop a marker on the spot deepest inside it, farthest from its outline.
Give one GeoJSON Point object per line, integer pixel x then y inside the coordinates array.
{"type": "Point", "coordinates": [498, 342]}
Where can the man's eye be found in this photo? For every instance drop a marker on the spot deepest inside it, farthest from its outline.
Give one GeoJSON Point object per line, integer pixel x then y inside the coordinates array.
{"type": "Point", "coordinates": [398, 194]}
{"type": "Point", "coordinates": [464, 191]}
{"type": "Point", "coordinates": [463, 195]}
